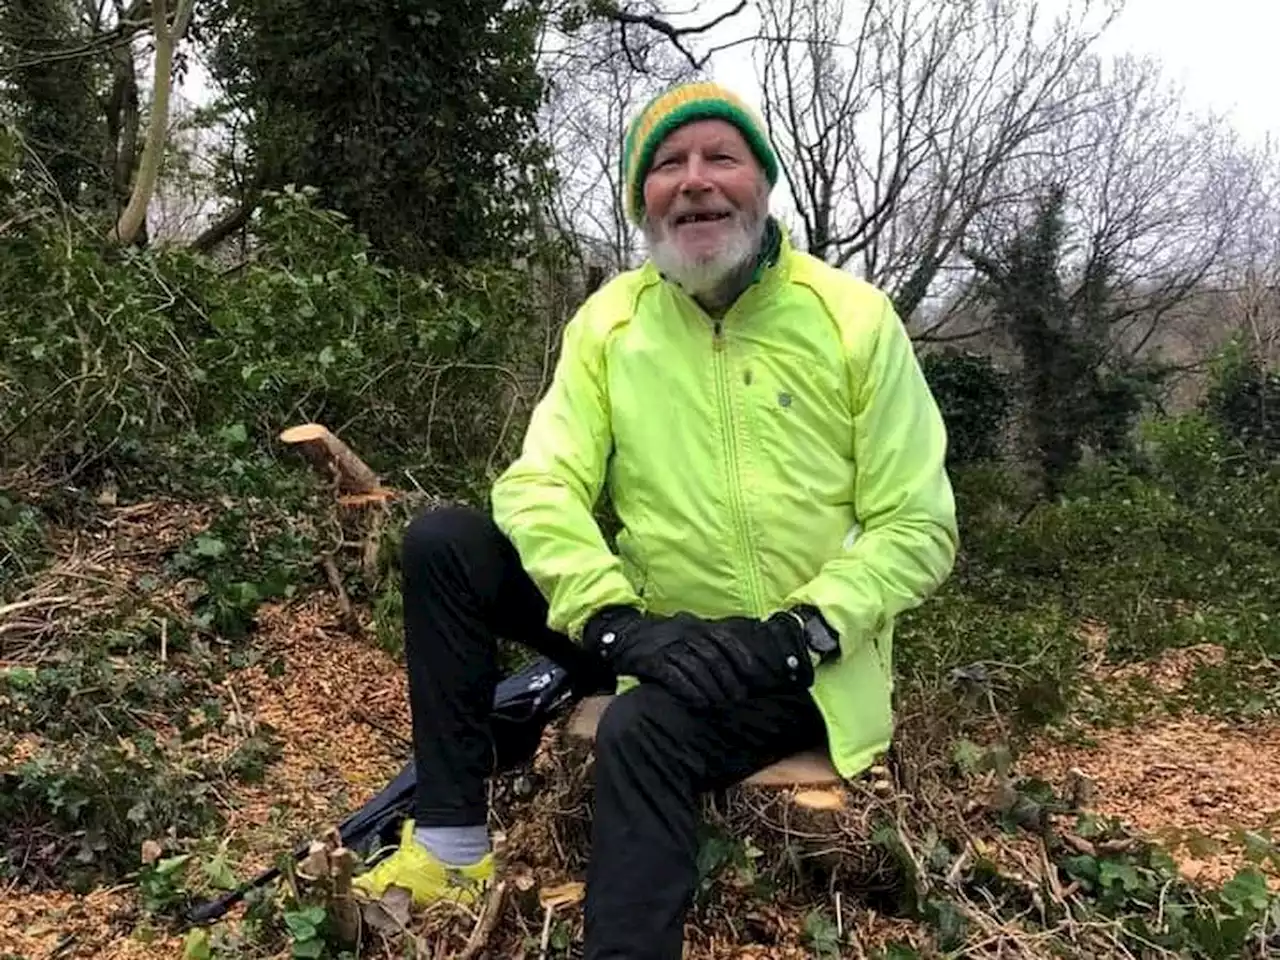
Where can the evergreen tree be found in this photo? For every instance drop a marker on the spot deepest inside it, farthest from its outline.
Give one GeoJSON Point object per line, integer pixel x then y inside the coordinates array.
{"type": "Point", "coordinates": [414, 118]}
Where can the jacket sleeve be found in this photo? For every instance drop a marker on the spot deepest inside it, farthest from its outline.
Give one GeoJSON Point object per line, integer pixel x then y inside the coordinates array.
{"type": "Point", "coordinates": [908, 537]}
{"type": "Point", "coordinates": [544, 501]}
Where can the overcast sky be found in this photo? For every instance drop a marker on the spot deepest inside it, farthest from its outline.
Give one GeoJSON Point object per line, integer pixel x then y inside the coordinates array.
{"type": "Point", "coordinates": [1222, 52]}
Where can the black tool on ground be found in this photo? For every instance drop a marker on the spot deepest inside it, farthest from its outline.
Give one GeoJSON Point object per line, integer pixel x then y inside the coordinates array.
{"type": "Point", "coordinates": [523, 704]}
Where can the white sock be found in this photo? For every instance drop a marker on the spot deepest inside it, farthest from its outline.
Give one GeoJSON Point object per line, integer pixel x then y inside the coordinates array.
{"type": "Point", "coordinates": [456, 846]}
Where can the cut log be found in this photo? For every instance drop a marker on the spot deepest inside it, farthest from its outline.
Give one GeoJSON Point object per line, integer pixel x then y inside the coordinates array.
{"type": "Point", "coordinates": [335, 459]}
{"type": "Point", "coordinates": [809, 768]}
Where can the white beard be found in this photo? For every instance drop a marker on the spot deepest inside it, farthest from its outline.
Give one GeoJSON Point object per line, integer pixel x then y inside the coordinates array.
{"type": "Point", "coordinates": [703, 277]}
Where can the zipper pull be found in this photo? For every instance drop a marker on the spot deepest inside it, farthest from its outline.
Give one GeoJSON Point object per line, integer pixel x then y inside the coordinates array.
{"type": "Point", "coordinates": [717, 333]}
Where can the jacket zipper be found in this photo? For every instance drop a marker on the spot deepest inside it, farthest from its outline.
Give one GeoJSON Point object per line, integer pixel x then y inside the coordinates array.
{"type": "Point", "coordinates": [729, 430]}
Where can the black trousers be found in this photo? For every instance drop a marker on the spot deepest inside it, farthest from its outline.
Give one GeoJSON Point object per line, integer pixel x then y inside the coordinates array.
{"type": "Point", "coordinates": [463, 588]}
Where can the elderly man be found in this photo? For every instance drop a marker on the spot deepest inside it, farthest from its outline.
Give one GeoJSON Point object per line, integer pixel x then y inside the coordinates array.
{"type": "Point", "coordinates": [776, 461]}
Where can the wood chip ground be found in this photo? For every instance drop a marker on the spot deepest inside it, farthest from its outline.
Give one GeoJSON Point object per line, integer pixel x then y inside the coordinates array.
{"type": "Point", "coordinates": [339, 707]}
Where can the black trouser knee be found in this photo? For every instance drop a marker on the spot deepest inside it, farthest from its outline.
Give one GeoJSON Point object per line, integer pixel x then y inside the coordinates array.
{"type": "Point", "coordinates": [653, 759]}
{"type": "Point", "coordinates": [464, 588]}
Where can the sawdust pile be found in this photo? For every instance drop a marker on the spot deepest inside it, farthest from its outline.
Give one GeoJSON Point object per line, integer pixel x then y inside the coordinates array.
{"type": "Point", "coordinates": [1192, 782]}
{"type": "Point", "coordinates": [102, 924]}
{"type": "Point", "coordinates": [336, 704]}
{"type": "Point", "coordinates": [1176, 778]}
{"type": "Point", "coordinates": [339, 707]}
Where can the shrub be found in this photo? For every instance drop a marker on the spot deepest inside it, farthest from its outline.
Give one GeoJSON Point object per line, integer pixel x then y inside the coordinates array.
{"type": "Point", "coordinates": [1244, 399]}
{"type": "Point", "coordinates": [975, 397]}
{"type": "Point", "coordinates": [22, 540]}
{"type": "Point", "coordinates": [112, 354]}
{"type": "Point", "coordinates": [1177, 548]}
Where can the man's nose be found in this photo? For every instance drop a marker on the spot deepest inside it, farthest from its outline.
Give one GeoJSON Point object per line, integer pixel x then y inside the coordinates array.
{"type": "Point", "coordinates": [695, 179]}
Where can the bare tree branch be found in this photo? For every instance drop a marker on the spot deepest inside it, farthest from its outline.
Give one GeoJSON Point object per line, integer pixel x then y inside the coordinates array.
{"type": "Point", "coordinates": [598, 78]}
{"type": "Point", "coordinates": [674, 34]}
{"type": "Point", "coordinates": [120, 36]}
{"type": "Point", "coordinates": [895, 127]}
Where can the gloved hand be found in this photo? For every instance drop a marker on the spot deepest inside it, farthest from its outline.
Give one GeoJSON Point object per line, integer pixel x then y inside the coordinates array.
{"type": "Point", "coordinates": [701, 662]}
{"type": "Point", "coordinates": [704, 662]}
{"type": "Point", "coordinates": [786, 663]}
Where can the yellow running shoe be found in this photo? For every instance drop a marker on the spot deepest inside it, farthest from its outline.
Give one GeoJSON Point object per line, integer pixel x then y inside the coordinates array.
{"type": "Point", "coordinates": [424, 875]}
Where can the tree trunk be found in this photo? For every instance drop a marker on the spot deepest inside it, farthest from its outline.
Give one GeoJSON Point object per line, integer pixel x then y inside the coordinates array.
{"type": "Point", "coordinates": [131, 220]}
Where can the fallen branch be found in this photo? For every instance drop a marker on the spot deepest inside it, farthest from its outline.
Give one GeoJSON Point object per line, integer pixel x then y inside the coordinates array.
{"type": "Point", "coordinates": [31, 604]}
{"type": "Point", "coordinates": [488, 921]}
{"type": "Point", "coordinates": [246, 729]}
{"type": "Point", "coordinates": [349, 620]}
{"type": "Point", "coordinates": [22, 626]}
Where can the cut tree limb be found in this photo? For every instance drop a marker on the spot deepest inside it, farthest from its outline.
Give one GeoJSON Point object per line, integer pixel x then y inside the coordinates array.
{"type": "Point", "coordinates": [350, 622]}
{"type": "Point", "coordinates": [363, 504]}
{"type": "Point", "coordinates": [484, 928]}
{"type": "Point", "coordinates": [31, 604]}
{"type": "Point", "coordinates": [339, 462]}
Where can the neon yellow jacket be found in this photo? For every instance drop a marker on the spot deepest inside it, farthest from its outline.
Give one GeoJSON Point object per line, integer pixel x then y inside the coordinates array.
{"type": "Point", "coordinates": [789, 453]}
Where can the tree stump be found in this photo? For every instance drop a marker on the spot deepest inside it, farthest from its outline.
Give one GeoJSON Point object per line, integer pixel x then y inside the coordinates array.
{"type": "Point", "coordinates": [807, 769]}
{"type": "Point", "coordinates": [333, 458]}
{"type": "Point", "coordinates": [359, 513]}
{"type": "Point", "coordinates": [796, 822]}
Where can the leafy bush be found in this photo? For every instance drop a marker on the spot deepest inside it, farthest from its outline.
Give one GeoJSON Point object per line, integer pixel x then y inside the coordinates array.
{"type": "Point", "coordinates": [975, 397]}
{"type": "Point", "coordinates": [1117, 396]}
{"type": "Point", "coordinates": [22, 539]}
{"type": "Point", "coordinates": [1244, 399]}
{"type": "Point", "coordinates": [243, 559]}
{"type": "Point", "coordinates": [1189, 453]}
{"type": "Point", "coordinates": [1175, 550]}
{"type": "Point", "coordinates": [111, 354]}
{"type": "Point", "coordinates": [101, 804]}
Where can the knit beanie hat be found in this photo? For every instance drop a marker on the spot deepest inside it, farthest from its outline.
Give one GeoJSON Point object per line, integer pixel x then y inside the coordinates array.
{"type": "Point", "coordinates": [674, 108]}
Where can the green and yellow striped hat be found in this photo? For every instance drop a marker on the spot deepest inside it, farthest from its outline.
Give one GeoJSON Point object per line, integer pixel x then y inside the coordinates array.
{"type": "Point", "coordinates": [674, 108]}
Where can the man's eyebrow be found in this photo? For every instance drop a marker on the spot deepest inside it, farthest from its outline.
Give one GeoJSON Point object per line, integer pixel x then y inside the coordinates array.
{"type": "Point", "coordinates": [713, 145]}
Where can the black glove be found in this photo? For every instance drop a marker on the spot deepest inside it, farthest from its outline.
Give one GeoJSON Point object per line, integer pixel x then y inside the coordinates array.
{"type": "Point", "coordinates": [766, 657]}
{"type": "Point", "coordinates": [700, 662]}
{"type": "Point", "coordinates": [780, 646]}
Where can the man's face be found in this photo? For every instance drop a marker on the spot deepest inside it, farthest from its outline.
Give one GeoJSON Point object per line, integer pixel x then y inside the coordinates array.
{"type": "Point", "coordinates": [705, 198]}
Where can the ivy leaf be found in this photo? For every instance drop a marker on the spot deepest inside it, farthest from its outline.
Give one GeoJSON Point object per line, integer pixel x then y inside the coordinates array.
{"type": "Point", "coordinates": [1110, 872]}
{"type": "Point", "coordinates": [219, 873]}
{"type": "Point", "coordinates": [208, 547]}
{"type": "Point", "coordinates": [196, 946]}
{"type": "Point", "coordinates": [1247, 889]}
{"type": "Point", "coordinates": [300, 928]}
